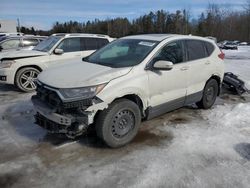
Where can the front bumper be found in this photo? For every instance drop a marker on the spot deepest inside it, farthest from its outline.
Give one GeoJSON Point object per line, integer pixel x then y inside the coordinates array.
{"type": "Point", "coordinates": [7, 76]}
{"type": "Point", "coordinates": [49, 119]}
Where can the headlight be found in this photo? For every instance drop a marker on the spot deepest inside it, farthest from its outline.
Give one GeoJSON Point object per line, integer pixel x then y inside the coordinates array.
{"type": "Point", "coordinates": [83, 93]}
{"type": "Point", "coordinates": [6, 63]}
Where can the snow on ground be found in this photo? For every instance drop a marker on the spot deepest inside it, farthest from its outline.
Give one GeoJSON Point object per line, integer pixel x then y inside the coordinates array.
{"type": "Point", "coordinates": [185, 148]}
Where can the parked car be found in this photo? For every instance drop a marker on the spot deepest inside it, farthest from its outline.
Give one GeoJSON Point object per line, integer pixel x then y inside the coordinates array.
{"type": "Point", "coordinates": [20, 42]}
{"type": "Point", "coordinates": [229, 45]}
{"type": "Point", "coordinates": [132, 79]}
{"type": "Point", "coordinates": [22, 67]}
{"type": "Point", "coordinates": [11, 34]}
{"type": "Point", "coordinates": [243, 44]}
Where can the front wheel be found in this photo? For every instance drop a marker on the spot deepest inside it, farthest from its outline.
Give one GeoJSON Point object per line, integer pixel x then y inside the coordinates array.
{"type": "Point", "coordinates": [25, 79]}
{"type": "Point", "coordinates": [119, 123]}
{"type": "Point", "coordinates": [210, 93]}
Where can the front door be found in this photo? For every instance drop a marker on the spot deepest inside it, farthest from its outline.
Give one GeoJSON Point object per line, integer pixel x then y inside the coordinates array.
{"type": "Point", "coordinates": [169, 87]}
{"type": "Point", "coordinates": [71, 50]}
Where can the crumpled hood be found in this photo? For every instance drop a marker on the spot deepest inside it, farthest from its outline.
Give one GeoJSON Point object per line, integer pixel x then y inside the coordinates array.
{"type": "Point", "coordinates": [20, 54]}
{"type": "Point", "coordinates": [80, 74]}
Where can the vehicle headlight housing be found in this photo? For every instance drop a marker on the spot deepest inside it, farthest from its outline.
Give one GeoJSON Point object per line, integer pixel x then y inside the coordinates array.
{"type": "Point", "coordinates": [6, 63]}
{"type": "Point", "coordinates": [81, 93]}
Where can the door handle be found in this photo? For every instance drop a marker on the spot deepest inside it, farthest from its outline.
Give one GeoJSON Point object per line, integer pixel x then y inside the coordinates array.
{"type": "Point", "coordinates": [207, 63]}
{"type": "Point", "coordinates": [184, 68]}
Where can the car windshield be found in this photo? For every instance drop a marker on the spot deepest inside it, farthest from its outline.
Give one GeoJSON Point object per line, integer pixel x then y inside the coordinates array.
{"type": "Point", "coordinates": [47, 44]}
{"type": "Point", "coordinates": [230, 43]}
{"type": "Point", "coordinates": [123, 53]}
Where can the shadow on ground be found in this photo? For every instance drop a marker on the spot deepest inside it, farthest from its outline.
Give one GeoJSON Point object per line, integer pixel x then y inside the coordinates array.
{"type": "Point", "coordinates": [243, 149]}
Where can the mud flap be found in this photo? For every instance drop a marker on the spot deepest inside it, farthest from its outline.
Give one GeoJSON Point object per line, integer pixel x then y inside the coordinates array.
{"type": "Point", "coordinates": [232, 82]}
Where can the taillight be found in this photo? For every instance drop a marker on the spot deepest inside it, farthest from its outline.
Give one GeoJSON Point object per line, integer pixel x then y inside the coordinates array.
{"type": "Point", "coordinates": [221, 55]}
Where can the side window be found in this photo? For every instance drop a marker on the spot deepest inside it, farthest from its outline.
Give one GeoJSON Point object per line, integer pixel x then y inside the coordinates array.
{"type": "Point", "coordinates": [90, 43]}
{"type": "Point", "coordinates": [30, 42]}
{"type": "Point", "coordinates": [11, 44]}
{"type": "Point", "coordinates": [196, 50]}
{"type": "Point", "coordinates": [70, 45]}
{"type": "Point", "coordinates": [171, 52]}
{"type": "Point", "coordinates": [101, 42]}
{"type": "Point", "coordinates": [209, 47]}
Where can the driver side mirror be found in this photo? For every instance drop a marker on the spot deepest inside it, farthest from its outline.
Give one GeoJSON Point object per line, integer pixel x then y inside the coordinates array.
{"type": "Point", "coordinates": [163, 65]}
{"type": "Point", "coordinates": [58, 51]}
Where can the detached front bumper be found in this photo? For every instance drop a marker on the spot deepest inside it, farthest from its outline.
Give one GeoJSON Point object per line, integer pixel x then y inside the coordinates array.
{"type": "Point", "coordinates": [49, 119]}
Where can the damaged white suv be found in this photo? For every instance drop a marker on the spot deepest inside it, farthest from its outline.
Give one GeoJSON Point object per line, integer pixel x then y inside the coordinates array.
{"type": "Point", "coordinates": [132, 79]}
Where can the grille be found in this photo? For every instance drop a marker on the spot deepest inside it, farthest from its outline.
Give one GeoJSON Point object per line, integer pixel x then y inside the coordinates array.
{"type": "Point", "coordinates": [48, 96]}
{"type": "Point", "coordinates": [52, 99]}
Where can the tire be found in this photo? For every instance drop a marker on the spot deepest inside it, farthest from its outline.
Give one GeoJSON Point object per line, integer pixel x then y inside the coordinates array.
{"type": "Point", "coordinates": [25, 78]}
{"type": "Point", "coordinates": [119, 123]}
{"type": "Point", "coordinates": [210, 93]}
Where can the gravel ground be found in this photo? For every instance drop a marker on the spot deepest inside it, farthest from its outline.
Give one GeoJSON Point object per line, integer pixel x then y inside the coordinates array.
{"type": "Point", "coordinates": [185, 148]}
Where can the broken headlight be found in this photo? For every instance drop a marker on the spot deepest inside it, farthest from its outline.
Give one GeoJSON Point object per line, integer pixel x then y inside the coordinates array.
{"type": "Point", "coordinates": [81, 93]}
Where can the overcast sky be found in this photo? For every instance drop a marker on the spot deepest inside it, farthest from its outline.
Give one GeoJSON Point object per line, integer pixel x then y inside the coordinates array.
{"type": "Point", "coordinates": [43, 13]}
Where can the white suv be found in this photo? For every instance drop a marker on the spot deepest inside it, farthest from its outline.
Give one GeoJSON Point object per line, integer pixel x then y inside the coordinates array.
{"type": "Point", "coordinates": [22, 67]}
{"type": "Point", "coordinates": [131, 79]}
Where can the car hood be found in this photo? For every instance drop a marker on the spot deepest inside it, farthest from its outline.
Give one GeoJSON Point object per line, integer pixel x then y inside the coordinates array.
{"type": "Point", "coordinates": [18, 54]}
{"type": "Point", "coordinates": [80, 74]}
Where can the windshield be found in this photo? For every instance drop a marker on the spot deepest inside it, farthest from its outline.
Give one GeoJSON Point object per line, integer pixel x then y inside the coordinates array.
{"type": "Point", "coordinates": [123, 53]}
{"type": "Point", "coordinates": [47, 44]}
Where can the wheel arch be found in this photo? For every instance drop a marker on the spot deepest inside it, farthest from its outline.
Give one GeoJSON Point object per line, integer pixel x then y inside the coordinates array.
{"type": "Point", "coordinates": [26, 66]}
{"type": "Point", "coordinates": [132, 97]}
{"type": "Point", "coordinates": [218, 80]}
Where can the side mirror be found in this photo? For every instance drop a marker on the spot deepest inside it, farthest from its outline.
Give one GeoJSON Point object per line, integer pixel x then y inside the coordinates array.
{"type": "Point", "coordinates": [163, 65]}
{"type": "Point", "coordinates": [58, 51]}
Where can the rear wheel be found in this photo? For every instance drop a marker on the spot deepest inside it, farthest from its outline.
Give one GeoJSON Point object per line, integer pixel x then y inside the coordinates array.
{"type": "Point", "coordinates": [25, 79]}
{"type": "Point", "coordinates": [119, 123]}
{"type": "Point", "coordinates": [210, 93]}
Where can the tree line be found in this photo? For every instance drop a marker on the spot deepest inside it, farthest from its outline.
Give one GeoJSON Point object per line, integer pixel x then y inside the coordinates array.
{"type": "Point", "coordinates": [216, 21]}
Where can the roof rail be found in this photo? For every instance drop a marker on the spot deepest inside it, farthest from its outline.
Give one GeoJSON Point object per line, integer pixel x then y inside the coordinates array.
{"type": "Point", "coordinates": [79, 34]}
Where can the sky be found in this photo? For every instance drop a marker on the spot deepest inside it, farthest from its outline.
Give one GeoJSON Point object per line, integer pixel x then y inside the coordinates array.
{"type": "Point", "coordinates": [43, 13]}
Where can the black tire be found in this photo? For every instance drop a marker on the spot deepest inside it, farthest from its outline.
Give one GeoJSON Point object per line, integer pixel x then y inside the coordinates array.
{"type": "Point", "coordinates": [119, 123]}
{"type": "Point", "coordinates": [25, 78]}
{"type": "Point", "coordinates": [210, 93]}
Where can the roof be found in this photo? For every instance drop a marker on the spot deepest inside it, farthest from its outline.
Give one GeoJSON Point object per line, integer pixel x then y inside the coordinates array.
{"type": "Point", "coordinates": [155, 37]}
{"type": "Point", "coordinates": [25, 37]}
{"type": "Point", "coordinates": [79, 34]}
{"type": "Point", "coordinates": [161, 37]}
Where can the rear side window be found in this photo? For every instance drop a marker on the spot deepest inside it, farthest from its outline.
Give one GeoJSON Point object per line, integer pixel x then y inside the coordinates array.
{"type": "Point", "coordinates": [209, 47]}
{"type": "Point", "coordinates": [101, 42]}
{"type": "Point", "coordinates": [70, 45]}
{"type": "Point", "coordinates": [93, 43]}
{"type": "Point", "coordinates": [89, 43]}
{"type": "Point", "coordinates": [196, 50]}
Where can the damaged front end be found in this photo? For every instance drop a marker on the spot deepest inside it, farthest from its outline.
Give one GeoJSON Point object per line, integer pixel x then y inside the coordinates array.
{"type": "Point", "coordinates": [57, 116]}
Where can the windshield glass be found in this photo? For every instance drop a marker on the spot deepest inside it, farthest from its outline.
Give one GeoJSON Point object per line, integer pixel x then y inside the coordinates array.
{"type": "Point", "coordinates": [47, 44]}
{"type": "Point", "coordinates": [123, 53]}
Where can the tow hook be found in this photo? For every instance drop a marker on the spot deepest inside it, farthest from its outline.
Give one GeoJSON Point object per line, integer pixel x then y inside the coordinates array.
{"type": "Point", "coordinates": [77, 129]}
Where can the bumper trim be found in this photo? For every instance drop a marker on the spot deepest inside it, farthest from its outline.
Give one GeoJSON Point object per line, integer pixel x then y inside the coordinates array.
{"type": "Point", "coordinates": [49, 113]}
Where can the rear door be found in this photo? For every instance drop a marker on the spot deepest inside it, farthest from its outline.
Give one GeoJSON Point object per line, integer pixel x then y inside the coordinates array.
{"type": "Point", "coordinates": [199, 67]}
{"type": "Point", "coordinates": [90, 45]}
